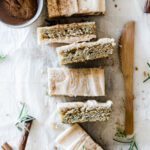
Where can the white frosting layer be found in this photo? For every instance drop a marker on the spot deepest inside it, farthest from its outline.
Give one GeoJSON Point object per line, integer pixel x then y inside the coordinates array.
{"type": "Point", "coordinates": [76, 82]}
{"type": "Point", "coordinates": [89, 105]}
{"type": "Point", "coordinates": [79, 45]}
{"type": "Point", "coordinates": [75, 138]}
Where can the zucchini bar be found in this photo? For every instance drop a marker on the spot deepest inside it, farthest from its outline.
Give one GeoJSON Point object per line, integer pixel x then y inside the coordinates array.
{"type": "Point", "coordinates": [62, 8]}
{"type": "Point", "coordinates": [67, 33]}
{"type": "Point", "coordinates": [76, 82]}
{"type": "Point", "coordinates": [68, 8]}
{"type": "Point", "coordinates": [81, 52]}
{"type": "Point", "coordinates": [75, 138]}
{"type": "Point", "coordinates": [78, 112]}
{"type": "Point", "coordinates": [91, 7]}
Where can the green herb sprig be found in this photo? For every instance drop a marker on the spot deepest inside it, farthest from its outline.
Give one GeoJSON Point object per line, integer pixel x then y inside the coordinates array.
{"type": "Point", "coordinates": [148, 75]}
{"type": "Point", "coordinates": [2, 57]}
{"type": "Point", "coordinates": [120, 133]}
{"type": "Point", "coordinates": [83, 148]}
{"type": "Point", "coordinates": [121, 137]}
{"type": "Point", "coordinates": [23, 117]}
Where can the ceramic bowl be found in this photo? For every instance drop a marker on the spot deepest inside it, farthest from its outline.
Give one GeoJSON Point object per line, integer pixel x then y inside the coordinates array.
{"type": "Point", "coordinates": [29, 22]}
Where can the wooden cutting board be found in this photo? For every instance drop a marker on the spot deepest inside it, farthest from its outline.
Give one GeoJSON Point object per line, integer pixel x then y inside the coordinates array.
{"type": "Point", "coordinates": [127, 64]}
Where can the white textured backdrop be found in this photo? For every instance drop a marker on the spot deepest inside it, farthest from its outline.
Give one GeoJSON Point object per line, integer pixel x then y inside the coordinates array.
{"type": "Point", "coordinates": [23, 77]}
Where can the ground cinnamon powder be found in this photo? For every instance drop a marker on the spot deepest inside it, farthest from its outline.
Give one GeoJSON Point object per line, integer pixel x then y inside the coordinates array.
{"type": "Point", "coordinates": [17, 11]}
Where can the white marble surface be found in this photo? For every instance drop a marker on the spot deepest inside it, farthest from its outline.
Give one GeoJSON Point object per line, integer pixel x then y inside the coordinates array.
{"type": "Point", "coordinates": [23, 77]}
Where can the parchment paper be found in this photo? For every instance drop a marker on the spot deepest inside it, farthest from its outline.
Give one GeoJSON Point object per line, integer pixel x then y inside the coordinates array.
{"type": "Point", "coordinates": [23, 77]}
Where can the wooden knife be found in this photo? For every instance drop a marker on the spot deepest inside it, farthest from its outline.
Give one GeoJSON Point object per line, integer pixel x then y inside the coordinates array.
{"type": "Point", "coordinates": [127, 64]}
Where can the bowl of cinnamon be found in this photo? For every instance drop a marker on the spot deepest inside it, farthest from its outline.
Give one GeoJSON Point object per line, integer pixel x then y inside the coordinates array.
{"type": "Point", "coordinates": [20, 13]}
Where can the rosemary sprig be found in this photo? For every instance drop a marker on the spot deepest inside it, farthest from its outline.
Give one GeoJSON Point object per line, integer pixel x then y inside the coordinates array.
{"type": "Point", "coordinates": [83, 148]}
{"type": "Point", "coordinates": [148, 75]}
{"type": "Point", "coordinates": [2, 57]}
{"type": "Point", "coordinates": [123, 139]}
{"type": "Point", "coordinates": [23, 117]}
{"type": "Point", "coordinates": [120, 133]}
{"type": "Point", "coordinates": [148, 64]}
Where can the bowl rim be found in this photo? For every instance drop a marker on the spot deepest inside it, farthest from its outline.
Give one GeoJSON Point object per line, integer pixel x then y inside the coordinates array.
{"type": "Point", "coordinates": [32, 20]}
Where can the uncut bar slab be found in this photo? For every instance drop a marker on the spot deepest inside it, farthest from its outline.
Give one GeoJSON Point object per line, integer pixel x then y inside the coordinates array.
{"type": "Point", "coordinates": [67, 33]}
{"type": "Point", "coordinates": [76, 82]}
{"type": "Point", "coordinates": [63, 8]}
{"type": "Point", "coordinates": [81, 52]}
{"type": "Point", "coordinates": [91, 7]}
{"type": "Point", "coordinates": [90, 111]}
{"type": "Point", "coordinates": [75, 138]}
{"type": "Point", "coordinates": [67, 8]}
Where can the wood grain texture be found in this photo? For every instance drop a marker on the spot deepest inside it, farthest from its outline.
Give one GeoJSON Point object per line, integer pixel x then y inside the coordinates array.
{"type": "Point", "coordinates": [24, 137]}
{"type": "Point", "coordinates": [147, 7]}
{"type": "Point", "coordinates": [127, 63]}
{"type": "Point", "coordinates": [6, 146]}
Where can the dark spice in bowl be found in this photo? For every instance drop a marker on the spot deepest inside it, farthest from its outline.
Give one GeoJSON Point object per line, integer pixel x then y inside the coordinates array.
{"type": "Point", "coordinates": [17, 12]}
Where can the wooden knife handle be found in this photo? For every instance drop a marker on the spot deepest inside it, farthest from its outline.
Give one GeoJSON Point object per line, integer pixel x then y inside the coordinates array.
{"type": "Point", "coordinates": [129, 124]}
{"type": "Point", "coordinates": [127, 64]}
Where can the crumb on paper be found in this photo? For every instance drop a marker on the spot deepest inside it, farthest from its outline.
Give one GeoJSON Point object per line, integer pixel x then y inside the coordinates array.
{"type": "Point", "coordinates": [116, 5]}
{"type": "Point", "coordinates": [55, 148]}
{"type": "Point", "coordinates": [120, 132]}
{"type": "Point", "coordinates": [47, 93]}
{"type": "Point", "coordinates": [55, 125]}
{"type": "Point", "coordinates": [136, 68]}
{"type": "Point", "coordinates": [119, 124]}
{"type": "Point", "coordinates": [20, 102]}
{"type": "Point", "coordinates": [145, 74]}
{"type": "Point", "coordinates": [43, 72]}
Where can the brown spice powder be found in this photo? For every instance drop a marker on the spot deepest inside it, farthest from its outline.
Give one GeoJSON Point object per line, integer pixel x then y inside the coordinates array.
{"type": "Point", "coordinates": [17, 11]}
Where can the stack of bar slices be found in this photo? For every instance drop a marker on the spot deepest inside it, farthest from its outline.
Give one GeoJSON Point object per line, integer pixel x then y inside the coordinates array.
{"type": "Point", "coordinates": [85, 82]}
